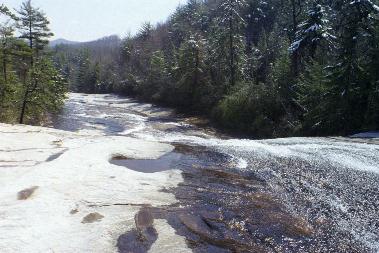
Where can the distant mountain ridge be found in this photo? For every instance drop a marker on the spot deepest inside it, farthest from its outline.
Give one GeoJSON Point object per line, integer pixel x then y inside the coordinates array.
{"type": "Point", "coordinates": [113, 39]}
{"type": "Point", "coordinates": [61, 41]}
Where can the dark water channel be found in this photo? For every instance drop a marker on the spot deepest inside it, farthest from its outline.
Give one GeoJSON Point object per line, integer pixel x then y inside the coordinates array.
{"type": "Point", "coordinates": [287, 195]}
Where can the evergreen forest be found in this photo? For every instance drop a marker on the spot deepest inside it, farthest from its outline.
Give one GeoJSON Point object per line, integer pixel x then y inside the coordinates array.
{"type": "Point", "coordinates": [265, 68]}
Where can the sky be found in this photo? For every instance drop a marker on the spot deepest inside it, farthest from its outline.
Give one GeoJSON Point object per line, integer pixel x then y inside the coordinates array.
{"type": "Point", "coordinates": [85, 20]}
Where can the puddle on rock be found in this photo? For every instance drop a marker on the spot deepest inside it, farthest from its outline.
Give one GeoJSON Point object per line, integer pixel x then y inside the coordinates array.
{"type": "Point", "coordinates": [166, 162]}
{"type": "Point", "coordinates": [169, 161]}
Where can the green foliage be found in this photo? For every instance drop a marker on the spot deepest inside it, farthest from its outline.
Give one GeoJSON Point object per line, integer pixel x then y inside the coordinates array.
{"type": "Point", "coordinates": [228, 41]}
{"type": "Point", "coordinates": [372, 113]}
{"type": "Point", "coordinates": [4, 10]}
{"type": "Point", "coordinates": [189, 72]}
{"type": "Point", "coordinates": [314, 31]}
{"type": "Point", "coordinates": [91, 67]}
{"type": "Point", "coordinates": [30, 85]}
{"type": "Point", "coordinates": [313, 95]}
{"type": "Point", "coordinates": [33, 26]}
{"type": "Point", "coordinates": [10, 92]}
{"type": "Point", "coordinates": [266, 67]}
{"type": "Point", "coordinates": [253, 109]}
{"type": "Point", "coordinates": [49, 91]}
{"type": "Point", "coordinates": [85, 75]}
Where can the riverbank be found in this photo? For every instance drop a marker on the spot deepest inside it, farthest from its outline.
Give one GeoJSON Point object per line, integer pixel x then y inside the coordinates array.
{"type": "Point", "coordinates": [211, 122]}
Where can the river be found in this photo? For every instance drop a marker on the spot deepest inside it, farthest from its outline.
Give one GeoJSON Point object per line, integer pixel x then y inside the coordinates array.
{"type": "Point", "coordinates": [240, 195]}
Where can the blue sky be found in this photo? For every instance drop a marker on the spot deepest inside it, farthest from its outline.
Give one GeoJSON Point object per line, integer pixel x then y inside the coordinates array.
{"type": "Point", "coordinates": [84, 20]}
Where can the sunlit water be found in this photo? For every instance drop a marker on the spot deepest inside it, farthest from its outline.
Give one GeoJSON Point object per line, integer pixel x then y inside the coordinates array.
{"type": "Point", "coordinates": [333, 184]}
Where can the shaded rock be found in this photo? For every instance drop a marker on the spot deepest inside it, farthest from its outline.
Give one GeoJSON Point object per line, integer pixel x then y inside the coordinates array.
{"type": "Point", "coordinates": [134, 242]}
{"type": "Point", "coordinates": [164, 127]}
{"type": "Point", "coordinates": [92, 217]}
{"type": "Point", "coordinates": [120, 157]}
{"type": "Point", "coordinates": [196, 225]}
{"type": "Point", "coordinates": [55, 156]}
{"type": "Point", "coordinates": [27, 193]}
{"type": "Point", "coordinates": [144, 219]}
{"type": "Point", "coordinates": [141, 239]}
{"type": "Point", "coordinates": [300, 227]}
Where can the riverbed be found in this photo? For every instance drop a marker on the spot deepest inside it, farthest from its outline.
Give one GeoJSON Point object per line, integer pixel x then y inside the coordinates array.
{"type": "Point", "coordinates": [240, 195]}
{"type": "Point", "coordinates": [235, 195]}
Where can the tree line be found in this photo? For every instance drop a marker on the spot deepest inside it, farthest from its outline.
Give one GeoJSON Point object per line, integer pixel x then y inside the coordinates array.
{"type": "Point", "coordinates": [268, 68]}
{"type": "Point", "coordinates": [30, 84]}
{"type": "Point", "coordinates": [90, 67]}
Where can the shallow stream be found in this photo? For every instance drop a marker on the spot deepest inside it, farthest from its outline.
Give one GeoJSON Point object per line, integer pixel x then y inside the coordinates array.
{"type": "Point", "coordinates": [238, 195]}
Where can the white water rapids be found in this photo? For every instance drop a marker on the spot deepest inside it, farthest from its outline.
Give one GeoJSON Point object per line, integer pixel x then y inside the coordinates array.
{"type": "Point", "coordinates": [318, 178]}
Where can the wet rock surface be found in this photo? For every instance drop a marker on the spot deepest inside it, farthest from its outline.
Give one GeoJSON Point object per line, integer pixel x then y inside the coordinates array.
{"type": "Point", "coordinates": [288, 195]}
{"type": "Point", "coordinates": [221, 209]}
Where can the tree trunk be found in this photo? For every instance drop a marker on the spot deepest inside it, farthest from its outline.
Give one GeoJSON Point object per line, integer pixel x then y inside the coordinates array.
{"type": "Point", "coordinates": [23, 108]}
{"type": "Point", "coordinates": [31, 42]}
{"type": "Point", "coordinates": [26, 94]}
{"type": "Point", "coordinates": [231, 45]}
{"type": "Point", "coordinates": [5, 65]}
{"type": "Point", "coordinates": [196, 76]}
{"type": "Point", "coordinates": [295, 55]}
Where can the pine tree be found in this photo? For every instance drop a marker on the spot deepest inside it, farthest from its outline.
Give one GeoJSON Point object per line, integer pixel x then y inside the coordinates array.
{"type": "Point", "coordinates": [50, 93]}
{"type": "Point", "coordinates": [349, 79]}
{"type": "Point", "coordinates": [33, 26]}
{"type": "Point", "coordinates": [191, 68]}
{"type": "Point", "coordinates": [6, 40]}
{"type": "Point", "coordinates": [230, 43]}
{"type": "Point", "coordinates": [10, 51]}
{"type": "Point", "coordinates": [296, 15]}
{"type": "Point", "coordinates": [263, 66]}
{"type": "Point", "coordinates": [83, 80]}
{"type": "Point", "coordinates": [157, 76]}
{"type": "Point", "coordinates": [313, 89]}
{"type": "Point", "coordinates": [6, 12]}
{"type": "Point", "coordinates": [314, 31]}
{"type": "Point", "coordinates": [372, 65]}
{"type": "Point", "coordinates": [145, 31]}
{"type": "Point", "coordinates": [6, 35]}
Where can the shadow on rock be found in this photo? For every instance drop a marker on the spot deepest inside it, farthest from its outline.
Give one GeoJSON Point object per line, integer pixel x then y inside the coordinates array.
{"type": "Point", "coordinates": [140, 239]}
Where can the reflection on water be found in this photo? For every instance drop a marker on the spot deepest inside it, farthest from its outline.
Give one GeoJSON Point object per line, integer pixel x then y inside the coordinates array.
{"type": "Point", "coordinates": [166, 162]}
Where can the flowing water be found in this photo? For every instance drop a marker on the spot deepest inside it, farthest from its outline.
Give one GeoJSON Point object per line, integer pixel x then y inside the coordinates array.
{"type": "Point", "coordinates": [239, 195]}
